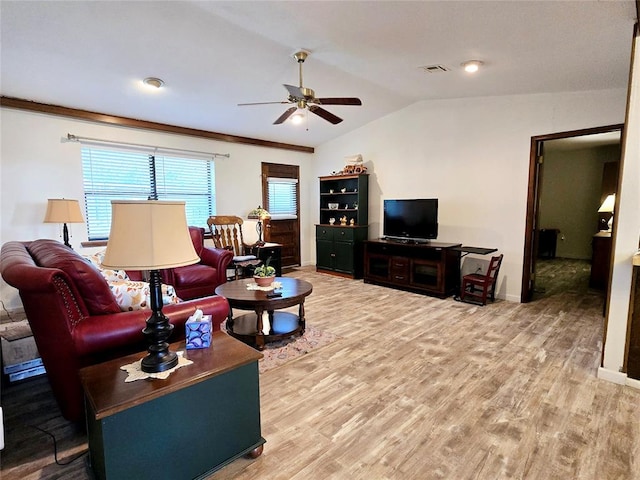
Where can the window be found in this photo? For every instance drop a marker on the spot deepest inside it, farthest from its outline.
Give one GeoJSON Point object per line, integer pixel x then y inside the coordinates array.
{"type": "Point", "coordinates": [112, 174]}
{"type": "Point", "coordinates": [282, 198]}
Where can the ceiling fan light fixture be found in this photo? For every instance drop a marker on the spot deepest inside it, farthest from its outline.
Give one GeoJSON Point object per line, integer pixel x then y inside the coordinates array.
{"type": "Point", "coordinates": [153, 82]}
{"type": "Point", "coordinates": [297, 118]}
{"type": "Point", "coordinates": [472, 66]}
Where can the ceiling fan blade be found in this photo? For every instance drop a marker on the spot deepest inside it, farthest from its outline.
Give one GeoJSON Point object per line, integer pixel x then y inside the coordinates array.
{"type": "Point", "coordinates": [261, 103]}
{"type": "Point", "coordinates": [295, 92]}
{"type": "Point", "coordinates": [328, 116]}
{"type": "Point", "coordinates": [285, 115]}
{"type": "Point", "coordinates": [339, 101]}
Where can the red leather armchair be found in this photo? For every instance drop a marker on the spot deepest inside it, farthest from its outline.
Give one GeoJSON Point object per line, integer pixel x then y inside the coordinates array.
{"type": "Point", "coordinates": [201, 279]}
{"type": "Point", "coordinates": [74, 317]}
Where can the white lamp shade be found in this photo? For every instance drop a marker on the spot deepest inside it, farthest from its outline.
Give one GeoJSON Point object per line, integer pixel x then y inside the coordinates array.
{"type": "Point", "coordinates": [608, 204]}
{"type": "Point", "coordinates": [61, 210]}
{"type": "Point", "coordinates": [149, 235]}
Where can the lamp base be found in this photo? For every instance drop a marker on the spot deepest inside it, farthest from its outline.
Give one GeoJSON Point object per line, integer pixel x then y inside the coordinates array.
{"type": "Point", "coordinates": [65, 235]}
{"type": "Point", "coordinates": [156, 362]}
{"type": "Point", "coordinates": [157, 331]}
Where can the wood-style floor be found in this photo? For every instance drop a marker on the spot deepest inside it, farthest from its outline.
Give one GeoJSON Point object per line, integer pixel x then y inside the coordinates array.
{"type": "Point", "coordinates": [422, 388]}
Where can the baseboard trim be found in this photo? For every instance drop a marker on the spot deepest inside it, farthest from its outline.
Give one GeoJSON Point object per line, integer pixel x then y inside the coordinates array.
{"type": "Point", "coordinates": [612, 376]}
{"type": "Point", "coordinates": [617, 377]}
{"type": "Point", "coordinates": [632, 382]}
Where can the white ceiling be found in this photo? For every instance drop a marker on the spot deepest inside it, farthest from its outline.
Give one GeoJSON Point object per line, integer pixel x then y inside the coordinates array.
{"type": "Point", "coordinates": [92, 55]}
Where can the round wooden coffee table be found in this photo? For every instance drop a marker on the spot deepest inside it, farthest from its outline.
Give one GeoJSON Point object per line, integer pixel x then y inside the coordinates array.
{"type": "Point", "coordinates": [250, 327]}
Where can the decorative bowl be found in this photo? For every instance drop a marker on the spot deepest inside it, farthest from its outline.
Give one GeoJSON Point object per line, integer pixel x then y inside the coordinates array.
{"type": "Point", "coordinates": [332, 206]}
{"type": "Point", "coordinates": [264, 281]}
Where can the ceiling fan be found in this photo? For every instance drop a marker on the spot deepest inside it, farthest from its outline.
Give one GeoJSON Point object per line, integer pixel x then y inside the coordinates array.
{"type": "Point", "coordinates": [306, 98]}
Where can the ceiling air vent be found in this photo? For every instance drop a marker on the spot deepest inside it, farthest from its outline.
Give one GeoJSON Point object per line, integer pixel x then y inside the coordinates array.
{"type": "Point", "coordinates": [434, 68]}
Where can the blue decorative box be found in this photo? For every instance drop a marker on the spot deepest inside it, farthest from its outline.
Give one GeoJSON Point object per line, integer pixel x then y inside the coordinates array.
{"type": "Point", "coordinates": [198, 331]}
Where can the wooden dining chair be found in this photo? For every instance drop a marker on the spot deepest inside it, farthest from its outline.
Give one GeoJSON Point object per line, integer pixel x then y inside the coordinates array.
{"type": "Point", "coordinates": [226, 232]}
{"type": "Point", "coordinates": [480, 285]}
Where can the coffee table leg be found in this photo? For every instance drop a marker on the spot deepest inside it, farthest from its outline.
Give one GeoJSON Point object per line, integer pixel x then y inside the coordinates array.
{"type": "Point", "coordinates": [271, 332]}
{"type": "Point", "coordinates": [259, 332]}
{"type": "Point", "coordinates": [230, 320]}
{"type": "Point", "coordinates": [301, 318]}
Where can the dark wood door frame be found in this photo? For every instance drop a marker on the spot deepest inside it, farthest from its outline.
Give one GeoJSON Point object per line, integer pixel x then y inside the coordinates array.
{"type": "Point", "coordinates": [284, 232]}
{"type": "Point", "coordinates": [533, 196]}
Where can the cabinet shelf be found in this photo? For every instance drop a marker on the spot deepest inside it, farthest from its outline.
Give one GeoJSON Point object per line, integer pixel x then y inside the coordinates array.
{"type": "Point", "coordinates": [338, 193]}
{"type": "Point", "coordinates": [339, 209]}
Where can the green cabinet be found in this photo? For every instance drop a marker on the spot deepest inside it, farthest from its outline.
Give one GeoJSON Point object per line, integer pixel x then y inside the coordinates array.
{"type": "Point", "coordinates": [199, 419]}
{"type": "Point", "coordinates": [339, 249]}
{"type": "Point", "coordinates": [338, 246]}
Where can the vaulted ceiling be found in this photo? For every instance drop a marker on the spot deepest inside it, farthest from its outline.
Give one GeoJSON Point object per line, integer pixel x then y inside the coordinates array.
{"type": "Point", "coordinates": [92, 55]}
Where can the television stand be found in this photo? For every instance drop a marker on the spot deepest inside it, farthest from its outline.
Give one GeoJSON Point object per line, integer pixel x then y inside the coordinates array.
{"type": "Point", "coordinates": [406, 241]}
{"type": "Point", "coordinates": [432, 268]}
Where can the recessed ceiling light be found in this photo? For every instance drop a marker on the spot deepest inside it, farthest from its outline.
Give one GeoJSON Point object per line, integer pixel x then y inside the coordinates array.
{"type": "Point", "coordinates": [472, 66]}
{"type": "Point", "coordinates": [153, 82]}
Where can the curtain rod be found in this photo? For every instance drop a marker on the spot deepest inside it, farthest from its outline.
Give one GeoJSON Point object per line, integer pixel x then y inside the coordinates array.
{"type": "Point", "coordinates": [76, 138]}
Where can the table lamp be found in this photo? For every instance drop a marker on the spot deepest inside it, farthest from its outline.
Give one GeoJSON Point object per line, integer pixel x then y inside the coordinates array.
{"type": "Point", "coordinates": [151, 235]}
{"type": "Point", "coordinates": [61, 210]}
{"type": "Point", "coordinates": [607, 207]}
{"type": "Point", "coordinates": [261, 214]}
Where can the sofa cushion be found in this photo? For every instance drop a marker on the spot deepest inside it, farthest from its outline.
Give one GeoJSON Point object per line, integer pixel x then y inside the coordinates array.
{"type": "Point", "coordinates": [109, 274]}
{"type": "Point", "coordinates": [92, 286]}
{"type": "Point", "coordinates": [129, 294]}
{"type": "Point", "coordinates": [132, 295]}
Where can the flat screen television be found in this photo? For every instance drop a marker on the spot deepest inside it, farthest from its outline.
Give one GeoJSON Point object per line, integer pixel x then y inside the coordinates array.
{"type": "Point", "coordinates": [411, 220]}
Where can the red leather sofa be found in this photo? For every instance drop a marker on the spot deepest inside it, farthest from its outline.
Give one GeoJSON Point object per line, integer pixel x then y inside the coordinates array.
{"type": "Point", "coordinates": [74, 317]}
{"type": "Point", "coordinates": [201, 279]}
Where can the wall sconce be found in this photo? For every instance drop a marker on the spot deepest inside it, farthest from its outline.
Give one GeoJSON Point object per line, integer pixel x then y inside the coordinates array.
{"type": "Point", "coordinates": [61, 210]}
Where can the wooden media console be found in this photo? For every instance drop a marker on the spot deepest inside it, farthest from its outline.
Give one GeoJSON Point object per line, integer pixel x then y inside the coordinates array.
{"type": "Point", "coordinates": [432, 268]}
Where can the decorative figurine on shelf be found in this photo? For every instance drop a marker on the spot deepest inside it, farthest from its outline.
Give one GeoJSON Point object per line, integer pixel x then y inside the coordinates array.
{"type": "Point", "coordinates": [332, 221]}
{"type": "Point", "coordinates": [354, 165]}
{"type": "Point", "coordinates": [343, 220]}
{"type": "Point", "coordinates": [355, 206]}
{"type": "Point", "coordinates": [343, 190]}
{"type": "Point", "coordinates": [352, 222]}
{"type": "Point", "coordinates": [331, 190]}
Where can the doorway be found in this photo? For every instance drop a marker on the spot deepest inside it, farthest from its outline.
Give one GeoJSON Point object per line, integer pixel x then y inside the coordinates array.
{"type": "Point", "coordinates": [567, 184]}
{"type": "Point", "coordinates": [281, 197]}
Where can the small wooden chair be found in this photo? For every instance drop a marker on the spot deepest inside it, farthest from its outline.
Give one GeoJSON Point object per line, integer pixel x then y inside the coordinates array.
{"type": "Point", "coordinates": [226, 231]}
{"type": "Point", "coordinates": [480, 285]}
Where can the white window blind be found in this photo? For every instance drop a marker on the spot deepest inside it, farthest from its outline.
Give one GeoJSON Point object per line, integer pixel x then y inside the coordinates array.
{"type": "Point", "coordinates": [113, 174]}
{"type": "Point", "coordinates": [282, 197]}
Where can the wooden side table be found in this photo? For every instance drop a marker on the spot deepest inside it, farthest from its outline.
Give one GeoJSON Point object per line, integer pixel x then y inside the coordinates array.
{"type": "Point", "coordinates": [202, 417]}
{"type": "Point", "coordinates": [270, 250]}
{"type": "Point", "coordinates": [600, 260]}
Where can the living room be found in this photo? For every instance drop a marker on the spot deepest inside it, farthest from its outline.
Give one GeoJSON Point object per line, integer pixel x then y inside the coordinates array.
{"type": "Point", "coordinates": [452, 149]}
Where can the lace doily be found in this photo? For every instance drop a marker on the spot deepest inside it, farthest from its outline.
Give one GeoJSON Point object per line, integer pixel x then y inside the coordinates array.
{"type": "Point", "coordinates": [255, 286]}
{"type": "Point", "coordinates": [135, 371]}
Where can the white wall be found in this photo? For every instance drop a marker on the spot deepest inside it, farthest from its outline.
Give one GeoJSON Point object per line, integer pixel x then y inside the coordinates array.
{"type": "Point", "coordinates": [36, 165]}
{"type": "Point", "coordinates": [627, 228]}
{"type": "Point", "coordinates": [473, 155]}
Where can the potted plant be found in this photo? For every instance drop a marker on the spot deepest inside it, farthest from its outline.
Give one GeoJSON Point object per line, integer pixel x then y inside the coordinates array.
{"type": "Point", "coordinates": [264, 274]}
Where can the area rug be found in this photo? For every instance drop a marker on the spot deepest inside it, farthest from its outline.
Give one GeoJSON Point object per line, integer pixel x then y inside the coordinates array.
{"type": "Point", "coordinates": [283, 351]}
